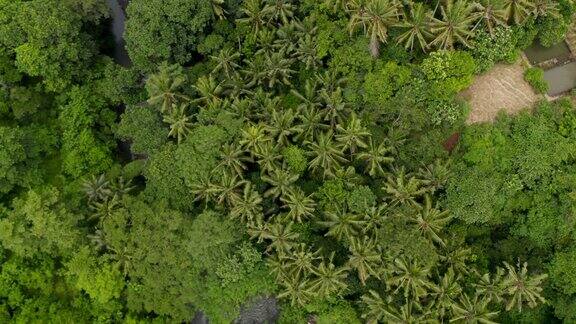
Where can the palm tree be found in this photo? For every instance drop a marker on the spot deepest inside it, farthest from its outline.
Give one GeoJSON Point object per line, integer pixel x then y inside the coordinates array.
{"type": "Point", "coordinates": [517, 10]}
{"type": "Point", "coordinates": [121, 187]}
{"type": "Point", "coordinates": [352, 135]}
{"type": "Point", "coordinates": [491, 13]}
{"type": "Point", "coordinates": [330, 280]}
{"type": "Point", "coordinates": [248, 206]}
{"type": "Point", "coordinates": [281, 126]}
{"type": "Point", "coordinates": [97, 188]}
{"type": "Point", "coordinates": [455, 26]}
{"type": "Point", "coordinates": [279, 10]}
{"type": "Point", "coordinates": [255, 15]}
{"type": "Point", "coordinates": [364, 258]}
{"type": "Point", "coordinates": [268, 158]}
{"type": "Point", "coordinates": [325, 155]}
{"type": "Point", "coordinates": [309, 96]}
{"type": "Point", "coordinates": [435, 176]}
{"type": "Point", "coordinates": [330, 81]}
{"type": "Point", "coordinates": [376, 307]}
{"type": "Point", "coordinates": [297, 290]}
{"type": "Point", "coordinates": [456, 257]}
{"type": "Point", "coordinates": [403, 191]}
{"type": "Point", "coordinates": [281, 182]}
{"type": "Point", "coordinates": [300, 260]}
{"type": "Point", "coordinates": [233, 159]}
{"type": "Point", "coordinates": [375, 17]}
{"type": "Point", "coordinates": [416, 26]}
{"type": "Point", "coordinates": [310, 123]}
{"type": "Point", "coordinates": [277, 69]}
{"type": "Point", "coordinates": [226, 190]}
{"type": "Point", "coordinates": [521, 287]}
{"type": "Point", "coordinates": [104, 208]}
{"type": "Point", "coordinates": [306, 52]}
{"type": "Point", "coordinates": [254, 137]}
{"type": "Point", "coordinates": [265, 42]}
{"type": "Point", "coordinates": [299, 205]}
{"type": "Point", "coordinates": [282, 237]}
{"type": "Point", "coordinates": [374, 157]}
{"type": "Point", "coordinates": [430, 220]}
{"type": "Point", "coordinates": [164, 87]}
{"type": "Point", "coordinates": [490, 287]}
{"type": "Point", "coordinates": [342, 225]}
{"type": "Point", "coordinates": [217, 9]}
{"type": "Point", "coordinates": [446, 292]}
{"type": "Point", "coordinates": [226, 62]}
{"type": "Point", "coordinates": [335, 108]}
{"type": "Point", "coordinates": [544, 8]}
{"type": "Point", "coordinates": [180, 124]}
{"type": "Point", "coordinates": [472, 311]}
{"type": "Point", "coordinates": [373, 218]}
{"type": "Point", "coordinates": [407, 314]}
{"type": "Point", "coordinates": [209, 90]}
{"type": "Point", "coordinates": [410, 277]}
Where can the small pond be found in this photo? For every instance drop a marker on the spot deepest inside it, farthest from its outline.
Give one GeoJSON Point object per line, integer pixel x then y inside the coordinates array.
{"type": "Point", "coordinates": [561, 78]}
{"type": "Point", "coordinates": [537, 53]}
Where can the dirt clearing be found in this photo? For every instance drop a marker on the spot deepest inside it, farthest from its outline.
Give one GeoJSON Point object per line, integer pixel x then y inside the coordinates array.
{"type": "Point", "coordinates": [501, 88]}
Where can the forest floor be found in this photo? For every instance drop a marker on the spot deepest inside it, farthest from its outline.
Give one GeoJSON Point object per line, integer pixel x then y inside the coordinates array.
{"type": "Point", "coordinates": [501, 88]}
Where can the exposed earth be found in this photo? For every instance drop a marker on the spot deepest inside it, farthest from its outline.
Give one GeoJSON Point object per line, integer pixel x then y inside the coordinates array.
{"type": "Point", "coordinates": [501, 88]}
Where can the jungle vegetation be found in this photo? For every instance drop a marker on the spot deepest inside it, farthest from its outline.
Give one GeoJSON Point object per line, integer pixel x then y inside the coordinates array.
{"type": "Point", "coordinates": [280, 161]}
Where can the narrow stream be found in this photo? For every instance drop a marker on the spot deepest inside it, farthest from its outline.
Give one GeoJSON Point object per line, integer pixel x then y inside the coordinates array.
{"type": "Point", "coordinates": [117, 27]}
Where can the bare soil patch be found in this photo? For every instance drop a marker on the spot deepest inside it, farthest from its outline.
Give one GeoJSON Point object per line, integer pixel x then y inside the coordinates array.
{"type": "Point", "coordinates": [501, 88]}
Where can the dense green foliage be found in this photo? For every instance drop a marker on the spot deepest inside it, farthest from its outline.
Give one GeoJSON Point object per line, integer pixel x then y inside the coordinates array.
{"type": "Point", "coordinates": [535, 77]}
{"type": "Point", "coordinates": [279, 161]}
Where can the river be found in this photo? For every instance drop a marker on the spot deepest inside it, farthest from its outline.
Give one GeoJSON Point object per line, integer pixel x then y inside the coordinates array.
{"type": "Point", "coordinates": [117, 27]}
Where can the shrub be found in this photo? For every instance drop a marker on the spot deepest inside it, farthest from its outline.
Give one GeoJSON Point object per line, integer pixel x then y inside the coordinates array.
{"type": "Point", "coordinates": [491, 49]}
{"type": "Point", "coordinates": [535, 77]}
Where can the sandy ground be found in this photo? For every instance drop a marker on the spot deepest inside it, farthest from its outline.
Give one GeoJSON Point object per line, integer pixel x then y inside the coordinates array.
{"type": "Point", "coordinates": [503, 87]}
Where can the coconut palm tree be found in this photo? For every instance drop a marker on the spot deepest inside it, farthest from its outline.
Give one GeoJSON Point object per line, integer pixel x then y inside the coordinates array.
{"type": "Point", "coordinates": [403, 190]}
{"type": "Point", "coordinates": [164, 88]}
{"type": "Point", "coordinates": [218, 9]}
{"type": "Point", "coordinates": [522, 288]}
{"type": "Point", "coordinates": [279, 10]}
{"type": "Point", "coordinates": [281, 182]}
{"type": "Point", "coordinates": [226, 62]}
{"type": "Point", "coordinates": [455, 25]}
{"type": "Point", "coordinates": [277, 69]}
{"type": "Point", "coordinates": [517, 10]}
{"type": "Point", "coordinates": [297, 290]}
{"type": "Point", "coordinates": [410, 277]}
{"type": "Point", "coordinates": [430, 221]}
{"type": "Point", "coordinates": [310, 123]}
{"type": "Point", "coordinates": [375, 157]}
{"type": "Point", "coordinates": [300, 260]}
{"type": "Point", "coordinates": [255, 16]}
{"type": "Point", "coordinates": [353, 135]}
{"type": "Point", "coordinates": [268, 158]}
{"type": "Point", "coordinates": [473, 311]}
{"type": "Point", "coordinates": [491, 13]}
{"type": "Point", "coordinates": [253, 138]}
{"type": "Point", "coordinates": [545, 8]}
{"type": "Point", "coordinates": [299, 205]}
{"type": "Point", "coordinates": [326, 156]}
{"type": "Point", "coordinates": [281, 126]}
{"type": "Point", "coordinates": [446, 292]}
{"type": "Point", "coordinates": [180, 123]}
{"type": "Point", "coordinates": [335, 108]}
{"type": "Point", "coordinates": [330, 81]}
{"type": "Point", "coordinates": [232, 159]}
{"type": "Point", "coordinates": [208, 89]}
{"type": "Point", "coordinates": [416, 26]}
{"type": "Point", "coordinates": [330, 280]}
{"type": "Point", "coordinates": [97, 188]}
{"type": "Point", "coordinates": [342, 225]}
{"type": "Point", "coordinates": [376, 307]}
{"type": "Point", "coordinates": [246, 207]}
{"type": "Point", "coordinates": [226, 190]}
{"type": "Point", "coordinates": [282, 237]}
{"type": "Point", "coordinates": [375, 17]}
{"type": "Point", "coordinates": [435, 176]}
{"type": "Point", "coordinates": [490, 287]}
{"type": "Point", "coordinates": [364, 258]}
{"type": "Point", "coordinates": [306, 52]}
{"type": "Point", "coordinates": [373, 218]}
